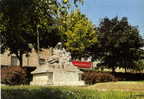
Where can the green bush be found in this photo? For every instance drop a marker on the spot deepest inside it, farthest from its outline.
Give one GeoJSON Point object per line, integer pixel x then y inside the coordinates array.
{"type": "Point", "coordinates": [129, 76]}
{"type": "Point", "coordinates": [93, 77]}
{"type": "Point", "coordinates": [13, 75]}
{"type": "Point", "coordinates": [139, 65]}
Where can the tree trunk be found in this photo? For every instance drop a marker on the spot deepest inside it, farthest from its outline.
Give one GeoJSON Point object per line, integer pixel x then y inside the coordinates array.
{"type": "Point", "coordinates": [20, 58]}
{"type": "Point", "coordinates": [125, 69]}
{"type": "Point", "coordinates": [113, 69]}
{"type": "Point", "coordinates": [102, 69]}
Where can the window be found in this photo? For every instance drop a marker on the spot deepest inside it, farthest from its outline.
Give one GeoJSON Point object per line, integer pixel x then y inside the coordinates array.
{"type": "Point", "coordinates": [14, 60]}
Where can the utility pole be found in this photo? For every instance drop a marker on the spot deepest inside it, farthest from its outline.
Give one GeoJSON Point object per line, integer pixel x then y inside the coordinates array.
{"type": "Point", "coordinates": [38, 46]}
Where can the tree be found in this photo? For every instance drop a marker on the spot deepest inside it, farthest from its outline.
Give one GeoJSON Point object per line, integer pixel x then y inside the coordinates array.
{"type": "Point", "coordinates": [118, 43]}
{"type": "Point", "coordinates": [79, 33]}
{"type": "Point", "coordinates": [13, 23]}
{"type": "Point", "coordinates": [22, 21]}
{"type": "Point", "coordinates": [139, 65]}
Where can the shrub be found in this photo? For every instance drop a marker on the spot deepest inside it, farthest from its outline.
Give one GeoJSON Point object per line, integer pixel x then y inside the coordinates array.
{"type": "Point", "coordinates": [93, 77]}
{"type": "Point", "coordinates": [13, 75]}
{"type": "Point", "coordinates": [129, 76]}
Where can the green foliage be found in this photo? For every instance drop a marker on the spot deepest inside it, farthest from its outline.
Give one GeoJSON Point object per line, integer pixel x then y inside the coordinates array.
{"type": "Point", "coordinates": [129, 76]}
{"type": "Point", "coordinates": [139, 65]}
{"type": "Point", "coordinates": [79, 33]}
{"type": "Point", "coordinates": [118, 44]}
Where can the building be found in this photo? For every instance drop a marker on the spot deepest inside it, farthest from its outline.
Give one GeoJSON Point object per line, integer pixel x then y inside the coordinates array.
{"type": "Point", "coordinates": [7, 59]}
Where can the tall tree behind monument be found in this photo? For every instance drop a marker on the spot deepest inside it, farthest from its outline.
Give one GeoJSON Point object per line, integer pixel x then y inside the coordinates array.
{"type": "Point", "coordinates": [79, 33]}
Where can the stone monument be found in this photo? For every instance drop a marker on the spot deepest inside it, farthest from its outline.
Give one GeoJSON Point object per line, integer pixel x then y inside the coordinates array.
{"type": "Point", "coordinates": [58, 70]}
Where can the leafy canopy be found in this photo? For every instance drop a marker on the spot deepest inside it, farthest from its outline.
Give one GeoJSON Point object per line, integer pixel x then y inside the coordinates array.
{"type": "Point", "coordinates": [118, 44]}
{"type": "Point", "coordinates": [79, 33]}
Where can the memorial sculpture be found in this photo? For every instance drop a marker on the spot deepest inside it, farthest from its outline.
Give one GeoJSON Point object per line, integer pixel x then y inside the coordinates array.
{"type": "Point", "coordinates": [58, 70]}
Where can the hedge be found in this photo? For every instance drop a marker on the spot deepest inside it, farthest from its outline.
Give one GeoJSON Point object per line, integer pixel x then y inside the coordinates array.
{"type": "Point", "coordinates": [93, 77]}
{"type": "Point", "coordinates": [14, 75]}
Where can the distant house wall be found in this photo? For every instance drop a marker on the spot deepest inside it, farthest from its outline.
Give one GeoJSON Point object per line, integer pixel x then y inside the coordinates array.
{"type": "Point", "coordinates": [5, 59]}
{"type": "Point", "coordinates": [31, 60]}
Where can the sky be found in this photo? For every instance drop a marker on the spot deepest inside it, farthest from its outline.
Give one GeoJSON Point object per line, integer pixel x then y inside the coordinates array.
{"type": "Point", "coordinates": [95, 10]}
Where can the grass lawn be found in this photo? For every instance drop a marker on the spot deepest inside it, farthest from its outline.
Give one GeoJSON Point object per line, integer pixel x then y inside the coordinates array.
{"type": "Point", "coordinates": [134, 86]}
{"type": "Point", "coordinates": [110, 90]}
